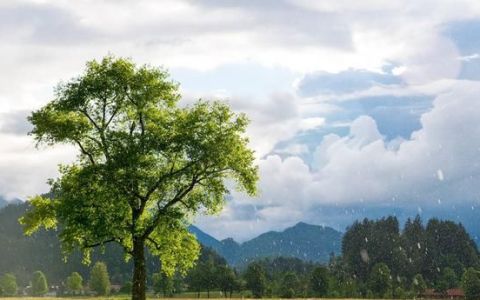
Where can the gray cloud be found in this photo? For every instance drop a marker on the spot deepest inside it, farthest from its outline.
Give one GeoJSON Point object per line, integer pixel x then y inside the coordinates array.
{"type": "Point", "coordinates": [15, 122]}
{"type": "Point", "coordinates": [287, 24]}
{"type": "Point", "coordinates": [42, 24]}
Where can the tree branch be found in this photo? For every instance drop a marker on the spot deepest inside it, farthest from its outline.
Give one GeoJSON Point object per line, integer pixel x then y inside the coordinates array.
{"type": "Point", "coordinates": [177, 198]}
{"type": "Point", "coordinates": [84, 151]}
{"type": "Point", "coordinates": [100, 132]}
{"type": "Point", "coordinates": [84, 111]}
{"type": "Point", "coordinates": [158, 183]}
{"type": "Point", "coordinates": [99, 243]}
{"type": "Point", "coordinates": [157, 246]}
{"type": "Point", "coordinates": [114, 113]}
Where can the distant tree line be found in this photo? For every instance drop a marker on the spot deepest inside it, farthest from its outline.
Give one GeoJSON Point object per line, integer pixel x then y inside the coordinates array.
{"type": "Point", "coordinates": [379, 260]}
{"type": "Point", "coordinates": [99, 284]}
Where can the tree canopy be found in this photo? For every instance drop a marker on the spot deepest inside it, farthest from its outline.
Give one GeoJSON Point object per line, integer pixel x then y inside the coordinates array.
{"type": "Point", "coordinates": [39, 284]}
{"type": "Point", "coordinates": [8, 285]}
{"type": "Point", "coordinates": [99, 279]}
{"type": "Point", "coordinates": [74, 282]}
{"type": "Point", "coordinates": [146, 165]}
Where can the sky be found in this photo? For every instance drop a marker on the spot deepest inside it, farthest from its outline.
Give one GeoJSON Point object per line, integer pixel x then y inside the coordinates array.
{"type": "Point", "coordinates": [357, 108]}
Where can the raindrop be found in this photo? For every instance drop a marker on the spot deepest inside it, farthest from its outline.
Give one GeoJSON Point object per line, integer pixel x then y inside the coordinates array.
{"type": "Point", "coordinates": [364, 256]}
{"type": "Point", "coordinates": [440, 175]}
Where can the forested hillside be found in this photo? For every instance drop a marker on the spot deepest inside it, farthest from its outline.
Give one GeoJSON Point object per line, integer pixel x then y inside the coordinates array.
{"type": "Point", "coordinates": [23, 255]}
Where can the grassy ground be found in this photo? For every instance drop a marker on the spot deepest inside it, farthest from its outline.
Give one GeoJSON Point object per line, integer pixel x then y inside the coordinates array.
{"type": "Point", "coordinates": [122, 298]}
{"type": "Point", "coordinates": [126, 297]}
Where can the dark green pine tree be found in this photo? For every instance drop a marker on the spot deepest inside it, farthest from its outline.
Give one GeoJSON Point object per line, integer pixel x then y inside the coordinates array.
{"type": "Point", "coordinates": [414, 244]}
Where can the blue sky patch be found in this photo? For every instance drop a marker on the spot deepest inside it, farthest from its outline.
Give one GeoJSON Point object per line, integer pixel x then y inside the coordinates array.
{"type": "Point", "coordinates": [343, 82]}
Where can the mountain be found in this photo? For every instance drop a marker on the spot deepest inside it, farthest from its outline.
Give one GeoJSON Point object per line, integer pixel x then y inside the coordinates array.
{"type": "Point", "coordinates": [22, 255]}
{"type": "Point", "coordinates": [204, 238]}
{"type": "Point", "coordinates": [4, 202]}
{"type": "Point", "coordinates": [304, 241]}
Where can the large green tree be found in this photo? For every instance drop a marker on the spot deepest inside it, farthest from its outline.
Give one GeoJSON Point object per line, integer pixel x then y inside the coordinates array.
{"type": "Point", "coordinates": [146, 165]}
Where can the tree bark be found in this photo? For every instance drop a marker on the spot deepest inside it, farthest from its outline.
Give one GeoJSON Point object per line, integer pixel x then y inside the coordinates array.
{"type": "Point", "coordinates": [139, 270]}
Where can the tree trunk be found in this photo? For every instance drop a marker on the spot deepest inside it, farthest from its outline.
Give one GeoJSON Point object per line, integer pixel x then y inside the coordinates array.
{"type": "Point", "coordinates": [139, 270]}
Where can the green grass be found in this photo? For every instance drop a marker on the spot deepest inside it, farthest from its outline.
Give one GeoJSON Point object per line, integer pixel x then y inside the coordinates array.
{"type": "Point", "coordinates": [183, 296]}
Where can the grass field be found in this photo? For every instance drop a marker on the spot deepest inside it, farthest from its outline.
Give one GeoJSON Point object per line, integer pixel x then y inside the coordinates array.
{"type": "Point", "coordinates": [127, 298]}
{"type": "Point", "coordinates": [183, 297]}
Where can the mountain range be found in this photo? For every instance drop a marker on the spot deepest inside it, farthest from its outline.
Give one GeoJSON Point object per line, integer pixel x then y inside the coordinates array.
{"type": "Point", "coordinates": [305, 241]}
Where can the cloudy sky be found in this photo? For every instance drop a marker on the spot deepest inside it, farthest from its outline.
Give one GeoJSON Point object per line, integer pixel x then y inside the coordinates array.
{"type": "Point", "coordinates": [358, 108]}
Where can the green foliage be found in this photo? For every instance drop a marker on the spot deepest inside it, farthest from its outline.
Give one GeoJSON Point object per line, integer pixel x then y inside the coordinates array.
{"type": "Point", "coordinates": [449, 245]}
{"type": "Point", "coordinates": [126, 288]}
{"type": "Point", "coordinates": [416, 250]}
{"type": "Point", "coordinates": [319, 281]}
{"type": "Point", "coordinates": [8, 285]}
{"type": "Point", "coordinates": [227, 280]}
{"type": "Point", "coordinates": [471, 284]}
{"type": "Point", "coordinates": [99, 279]}
{"type": "Point", "coordinates": [448, 280]}
{"type": "Point", "coordinates": [289, 285]}
{"type": "Point", "coordinates": [414, 244]}
{"type": "Point", "coordinates": [342, 282]}
{"type": "Point", "coordinates": [256, 280]}
{"type": "Point", "coordinates": [418, 284]}
{"type": "Point", "coordinates": [380, 280]}
{"type": "Point", "coordinates": [145, 167]}
{"type": "Point", "coordinates": [39, 284]}
{"type": "Point", "coordinates": [162, 284]}
{"type": "Point", "coordinates": [368, 243]}
{"type": "Point", "coordinates": [399, 293]}
{"type": "Point", "coordinates": [207, 274]}
{"type": "Point", "coordinates": [138, 148]}
{"type": "Point", "coordinates": [74, 283]}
